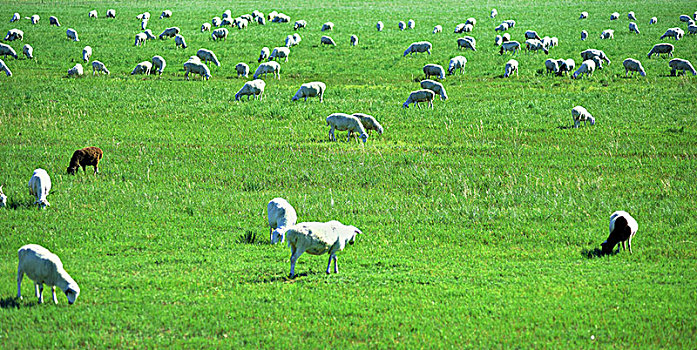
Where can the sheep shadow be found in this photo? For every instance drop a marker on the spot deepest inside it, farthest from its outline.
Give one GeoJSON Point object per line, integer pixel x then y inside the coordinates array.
{"type": "Point", "coordinates": [283, 278]}
{"type": "Point", "coordinates": [596, 253]}
{"type": "Point", "coordinates": [564, 127]}
{"type": "Point", "coordinates": [14, 205]}
{"type": "Point", "coordinates": [14, 303]}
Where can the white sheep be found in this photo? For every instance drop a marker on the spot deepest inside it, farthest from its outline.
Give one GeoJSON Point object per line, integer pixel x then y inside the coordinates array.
{"type": "Point", "coordinates": [15, 17]}
{"type": "Point", "coordinates": [205, 27]}
{"type": "Point", "coordinates": [216, 21]}
{"type": "Point", "coordinates": [281, 216]}
{"type": "Point", "coordinates": [7, 50]}
{"type": "Point", "coordinates": [580, 114]}
{"type": "Point", "coordinates": [535, 45]}
{"type": "Point", "coordinates": [423, 95]}
{"type": "Point", "coordinates": [242, 69]}
{"type": "Point", "coordinates": [498, 40]}
{"type": "Point", "coordinates": [86, 53]}
{"type": "Point", "coordinates": [607, 34]}
{"type": "Point", "coordinates": [510, 68]}
{"type": "Point", "coordinates": [434, 70]}
{"type": "Point", "coordinates": [166, 14]}
{"type": "Point", "coordinates": [633, 65]}
{"type": "Point", "coordinates": [110, 13]}
{"type": "Point", "coordinates": [631, 16]}
{"type": "Point", "coordinates": [72, 34]}
{"type": "Point", "coordinates": [44, 267]}
{"type": "Point", "coordinates": [472, 21]}
{"type": "Point", "coordinates": [411, 24]}
{"type": "Point", "coordinates": [312, 89]}
{"type": "Point", "coordinates": [678, 64]}
{"type": "Point", "coordinates": [344, 122]}
{"type": "Point", "coordinates": [325, 40]}
{"type": "Point", "coordinates": [327, 26]}
{"type": "Point", "coordinates": [179, 41]}
{"type": "Point", "coordinates": [547, 42]}
{"type": "Point", "coordinates": [220, 33]}
{"type": "Point", "coordinates": [566, 66]}
{"type": "Point", "coordinates": [509, 46]}
{"type": "Point", "coordinates": [493, 14]}
{"type": "Point", "coordinates": [141, 38]}
{"type": "Point", "coordinates": [240, 23]}
{"type": "Point", "coordinates": [144, 15]}
{"type": "Point", "coordinates": [467, 28]}
{"type": "Point", "coordinates": [28, 51]}
{"type": "Point", "coordinates": [5, 68]}
{"type": "Point", "coordinates": [676, 33]}
{"type": "Point", "coordinates": [555, 41]}
{"type": "Point", "coordinates": [317, 238]}
{"type": "Point", "coordinates": [252, 88]}
{"type": "Point", "coordinates": [614, 16]}
{"type": "Point", "coordinates": [227, 14]}
{"type": "Point", "coordinates": [14, 34]}
{"type": "Point", "coordinates": [271, 15]}
{"type": "Point", "coordinates": [460, 28]}
{"type": "Point", "coordinates": [34, 19]}
{"type": "Point", "coordinates": [590, 53]}
{"type": "Point", "coordinates": [268, 67]}
{"type": "Point", "coordinates": [633, 27]}
{"type": "Point", "coordinates": [142, 68]}
{"type": "Point", "coordinates": [279, 52]}
{"type": "Point", "coordinates": [437, 29]}
{"type": "Point", "coordinates": [299, 24]}
{"type": "Point", "coordinates": [584, 15]}
{"type": "Point", "coordinates": [531, 34]}
{"type": "Point", "coordinates": [457, 62]}
{"type": "Point", "coordinates": [369, 122]}
{"type": "Point", "coordinates": [40, 185]}
{"type": "Point", "coordinates": [584, 35]}
{"type": "Point", "coordinates": [500, 28]}
{"type": "Point", "coordinates": [53, 20]}
{"type": "Point", "coordinates": [281, 18]}
{"type": "Point", "coordinates": [380, 26]}
{"type": "Point", "coordinates": [92, 14]}
{"type": "Point", "coordinates": [653, 20]}
{"type": "Point", "coordinates": [196, 67]}
{"type": "Point", "coordinates": [587, 67]}
{"type": "Point", "coordinates": [98, 66]}
{"type": "Point", "coordinates": [77, 70]}
{"type": "Point", "coordinates": [663, 48]}
{"type": "Point", "coordinates": [552, 66]}
{"type": "Point", "coordinates": [265, 52]}
{"type": "Point", "coordinates": [208, 56]}
{"type": "Point", "coordinates": [510, 23]}
{"type": "Point", "coordinates": [685, 18]}
{"type": "Point", "coordinates": [159, 64]}
{"type": "Point", "coordinates": [3, 197]}
{"type": "Point", "coordinates": [623, 227]}
{"type": "Point", "coordinates": [169, 32]}
{"type": "Point", "coordinates": [290, 40]}
{"type": "Point", "coordinates": [505, 37]}
{"type": "Point", "coordinates": [353, 40]}
{"type": "Point", "coordinates": [401, 25]}
{"type": "Point", "coordinates": [467, 42]}
{"type": "Point", "coordinates": [436, 87]}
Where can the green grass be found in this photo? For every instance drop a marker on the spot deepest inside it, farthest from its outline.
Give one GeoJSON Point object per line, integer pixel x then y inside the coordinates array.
{"type": "Point", "coordinates": [480, 217]}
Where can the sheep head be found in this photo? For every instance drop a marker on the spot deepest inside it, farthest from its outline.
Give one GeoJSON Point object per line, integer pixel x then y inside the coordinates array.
{"type": "Point", "coordinates": [72, 292]}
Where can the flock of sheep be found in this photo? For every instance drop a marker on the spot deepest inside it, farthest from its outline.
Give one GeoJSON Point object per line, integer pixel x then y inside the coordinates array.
{"type": "Point", "coordinates": [318, 238]}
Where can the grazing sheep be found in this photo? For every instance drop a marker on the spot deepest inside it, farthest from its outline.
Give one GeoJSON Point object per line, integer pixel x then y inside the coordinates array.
{"type": "Point", "coordinates": [460, 28]}
{"type": "Point", "coordinates": [207, 56]}
{"type": "Point", "coordinates": [206, 27]}
{"type": "Point", "coordinates": [148, 33]}
{"type": "Point", "coordinates": [325, 40]}
{"type": "Point", "coordinates": [99, 67]}
{"type": "Point", "coordinates": [555, 41]}
{"type": "Point", "coordinates": [84, 157]}
{"type": "Point", "coordinates": [281, 216]}
{"type": "Point", "coordinates": [227, 14]}
{"type": "Point", "coordinates": [501, 27]}
{"type": "Point", "coordinates": [380, 26]}
{"type": "Point", "coordinates": [580, 114]}
{"type": "Point", "coordinates": [457, 62]}
{"type": "Point", "coordinates": [299, 24]}
{"type": "Point", "coordinates": [590, 53]}
{"type": "Point", "coordinates": [531, 34]}
{"type": "Point", "coordinates": [242, 69]}
{"type": "Point", "coordinates": [86, 53]}
{"type": "Point", "coordinates": [196, 67]}
{"type": "Point", "coordinates": [220, 33]}
{"type": "Point", "coordinates": [598, 62]}
{"type": "Point", "coordinates": [676, 33]}
{"type": "Point", "coordinates": [34, 19]}
{"type": "Point", "coordinates": [53, 20]}
{"type": "Point", "coordinates": [4, 68]}
{"type": "Point", "coordinates": [327, 26]}
{"type": "Point", "coordinates": [535, 45]}
{"type": "Point", "coordinates": [344, 122]}
{"type": "Point", "coordinates": [7, 50]}
{"type": "Point", "coordinates": [268, 67]}
{"type": "Point", "coordinates": [317, 238]}
{"type": "Point", "coordinates": [633, 27]}
{"type": "Point", "coordinates": [216, 21]}
{"type": "Point", "coordinates": [505, 37]}
{"type": "Point", "coordinates": [39, 186]}
{"type": "Point", "coordinates": [169, 32]}
{"type": "Point", "coordinates": [614, 16]}
{"type": "Point", "coordinates": [584, 15]}
{"type": "Point", "coordinates": [14, 34]}
{"type": "Point", "coordinates": [369, 122]}
{"type": "Point", "coordinates": [423, 95]}
{"type": "Point", "coordinates": [607, 34]}
{"type": "Point", "coordinates": [28, 51]}
{"type": "Point", "coordinates": [141, 38]}
{"type": "Point", "coordinates": [510, 68]}
{"type": "Point", "coordinates": [436, 87]}
{"type": "Point", "coordinates": [72, 34]}
{"type": "Point", "coordinates": [401, 25]}
{"type": "Point", "coordinates": [110, 13]}
{"type": "Point", "coordinates": [685, 18]}
{"type": "Point", "coordinates": [179, 41]}
{"type": "Point", "coordinates": [240, 23]}
{"type": "Point", "coordinates": [678, 64]}
{"type": "Point", "coordinates": [313, 89]}
{"type": "Point", "coordinates": [633, 65]}
{"type": "Point", "coordinates": [281, 18]}
{"type": "Point", "coordinates": [587, 67]}
{"type": "Point", "coordinates": [3, 198]}
{"type": "Point", "coordinates": [434, 70]}
{"type": "Point", "coordinates": [509, 46]}
{"type": "Point", "coordinates": [437, 29]}
{"type": "Point", "coordinates": [142, 68]}
{"type": "Point", "coordinates": [166, 14]}
{"type": "Point", "coordinates": [92, 14]}
{"type": "Point", "coordinates": [264, 54]}
{"type": "Point", "coordinates": [280, 52]}
{"type": "Point", "coordinates": [552, 66]}
{"type": "Point", "coordinates": [290, 40]}
{"type": "Point", "coordinates": [144, 15]}
{"type": "Point", "coordinates": [493, 14]}
{"type": "Point", "coordinates": [159, 64]}
{"type": "Point", "coordinates": [565, 66]}
{"type": "Point", "coordinates": [353, 40]}
{"type": "Point", "coordinates": [467, 28]}
{"type": "Point", "coordinates": [44, 267]}
{"type": "Point", "coordinates": [472, 21]}
{"type": "Point", "coordinates": [623, 227]}
{"type": "Point", "coordinates": [467, 42]}
{"type": "Point", "coordinates": [584, 35]}
{"type": "Point", "coordinates": [653, 20]}
{"type": "Point", "coordinates": [251, 88]}
{"type": "Point", "coordinates": [271, 15]}
{"type": "Point", "coordinates": [510, 23]}
{"type": "Point", "coordinates": [411, 24]}
{"type": "Point", "coordinates": [547, 42]}
{"type": "Point", "coordinates": [16, 17]}
{"type": "Point", "coordinates": [631, 16]}
{"type": "Point", "coordinates": [77, 70]}
{"type": "Point", "coordinates": [257, 14]}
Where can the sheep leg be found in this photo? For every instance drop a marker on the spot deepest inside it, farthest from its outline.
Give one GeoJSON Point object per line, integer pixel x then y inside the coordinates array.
{"type": "Point", "coordinates": [349, 136]}
{"type": "Point", "coordinates": [20, 275]}
{"type": "Point", "coordinates": [629, 244]}
{"type": "Point", "coordinates": [295, 254]}
{"type": "Point", "coordinates": [53, 291]}
{"type": "Point", "coordinates": [39, 288]}
{"type": "Point", "coordinates": [624, 245]}
{"type": "Point", "coordinates": [329, 265]}
{"type": "Point", "coordinates": [96, 169]}
{"type": "Point", "coordinates": [336, 264]}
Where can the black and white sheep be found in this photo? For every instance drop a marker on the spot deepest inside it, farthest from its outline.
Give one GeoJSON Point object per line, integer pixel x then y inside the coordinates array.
{"type": "Point", "coordinates": [196, 67]}
{"type": "Point", "coordinates": [72, 34]}
{"type": "Point", "coordinates": [679, 64]}
{"type": "Point", "coordinates": [158, 64]}
{"type": "Point", "coordinates": [169, 32]}
{"type": "Point", "coordinates": [34, 19]}
{"type": "Point", "coordinates": [675, 33]}
{"type": "Point", "coordinates": [509, 46]}
{"type": "Point", "coordinates": [379, 26]}
{"type": "Point", "coordinates": [467, 42]}
{"type": "Point", "coordinates": [411, 24]}
{"type": "Point", "coordinates": [423, 95]}
{"type": "Point", "coordinates": [110, 13]}
{"type": "Point", "coordinates": [614, 16]}
{"type": "Point", "coordinates": [535, 45]}
{"type": "Point", "coordinates": [584, 15]}
{"type": "Point", "coordinates": [607, 34]}
{"type": "Point", "coordinates": [142, 68]}
{"type": "Point", "coordinates": [85, 157]}
{"type": "Point", "coordinates": [318, 238]}
{"type": "Point", "coordinates": [345, 122]}
{"type": "Point", "coordinates": [179, 41]}
{"type": "Point", "coordinates": [39, 187]}
{"type": "Point", "coordinates": [402, 25]}
{"type": "Point", "coordinates": [531, 34]}
{"type": "Point", "coordinates": [584, 35]}
{"type": "Point", "coordinates": [299, 24]}
{"type": "Point", "coordinates": [86, 53]}
{"type": "Point", "coordinates": [510, 68]}
{"type": "Point", "coordinates": [28, 51]}
{"type": "Point", "coordinates": [265, 52]}
{"type": "Point", "coordinates": [325, 40]}
{"type": "Point", "coordinates": [92, 14]}
{"type": "Point", "coordinates": [623, 227]}
{"type": "Point", "coordinates": [312, 89]}
{"type": "Point", "coordinates": [166, 14]}
{"type": "Point", "coordinates": [653, 20]}
{"type": "Point", "coordinates": [353, 40]}
{"type": "Point", "coordinates": [252, 88]}
{"type": "Point", "coordinates": [220, 33]}
{"type": "Point", "coordinates": [587, 67]}
{"type": "Point", "coordinates": [7, 50]}
{"type": "Point", "coordinates": [205, 27]}
{"type": "Point", "coordinates": [327, 26]}
{"type": "Point", "coordinates": [15, 17]}
{"type": "Point", "coordinates": [242, 70]}
{"type": "Point", "coordinates": [44, 267]}
{"type": "Point", "coordinates": [493, 14]}
{"type": "Point", "coordinates": [77, 70]}
{"type": "Point", "coordinates": [281, 215]}
{"type": "Point", "coordinates": [437, 29]}
{"type": "Point", "coordinates": [3, 198]}
{"type": "Point", "coordinates": [53, 20]}
{"type": "Point", "coordinates": [434, 70]}
{"type": "Point", "coordinates": [633, 28]}
{"type": "Point", "coordinates": [631, 16]}
{"type": "Point", "coordinates": [14, 34]}
{"type": "Point", "coordinates": [280, 52]}
{"type": "Point", "coordinates": [590, 53]}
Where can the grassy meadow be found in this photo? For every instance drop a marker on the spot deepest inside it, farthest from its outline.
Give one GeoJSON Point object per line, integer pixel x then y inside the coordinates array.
{"type": "Point", "coordinates": [481, 218]}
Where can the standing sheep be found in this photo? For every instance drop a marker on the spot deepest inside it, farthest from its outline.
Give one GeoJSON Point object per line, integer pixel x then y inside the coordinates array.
{"type": "Point", "coordinates": [420, 46]}
{"type": "Point", "coordinates": [552, 66]}
{"type": "Point", "coordinates": [317, 238]}
{"type": "Point", "coordinates": [264, 54]}
{"type": "Point", "coordinates": [437, 29]}
{"type": "Point", "coordinates": [159, 64]}
{"type": "Point", "coordinates": [44, 267]}
{"type": "Point", "coordinates": [535, 45]}
{"type": "Point", "coordinates": [457, 62]}
{"type": "Point", "coordinates": [141, 38]}
{"type": "Point", "coordinates": [280, 52]}
{"type": "Point", "coordinates": [179, 41]}
{"type": "Point", "coordinates": [590, 53]}
{"type": "Point", "coordinates": [72, 34]}
{"type": "Point", "coordinates": [99, 67]}
{"type": "Point", "coordinates": [166, 14]}
{"type": "Point", "coordinates": [510, 68]}
{"type": "Point", "coordinates": [587, 67]}
{"type": "Point", "coordinates": [220, 33]}
{"type": "Point", "coordinates": [110, 13]}
{"type": "Point", "coordinates": [678, 64]}
{"type": "Point", "coordinates": [84, 157]}
{"type": "Point", "coordinates": [467, 42]}
{"type": "Point", "coordinates": [663, 48]}
{"type": "Point", "coordinates": [299, 24]}
{"type": "Point", "coordinates": [268, 67]}
{"type": "Point", "coordinates": [675, 33]}
{"type": "Point", "coordinates": [205, 27]}
{"type": "Point", "coordinates": [584, 15]}
{"type": "Point", "coordinates": [144, 15]}
{"type": "Point", "coordinates": [422, 95]}
{"type": "Point", "coordinates": [633, 65]}
{"type": "Point", "coordinates": [207, 56]}
{"type": "Point", "coordinates": [142, 68]}
{"type": "Point", "coordinates": [344, 122]}
{"type": "Point", "coordinates": [86, 53]}
{"type": "Point", "coordinates": [411, 24]}
{"type": "Point", "coordinates": [4, 68]}
{"type": "Point", "coordinates": [631, 16]}
{"type": "Point", "coordinates": [252, 88]}
{"type": "Point", "coordinates": [531, 34]}
{"type": "Point", "coordinates": [369, 122]}
{"type": "Point", "coordinates": [77, 70]}
{"type": "Point", "coordinates": [281, 216]}
{"type": "Point", "coordinates": [7, 50]}
{"type": "Point", "coordinates": [380, 26]}
{"type": "Point", "coordinates": [580, 114]}
{"type": "Point", "coordinates": [434, 70]}
{"type": "Point", "coordinates": [92, 14]}
{"type": "Point", "coordinates": [509, 46]}
{"type": "Point", "coordinates": [623, 227]}
{"type": "Point", "coordinates": [39, 186]}
{"type": "Point", "coordinates": [498, 40]}
{"type": "Point", "coordinates": [28, 51]}
{"type": "Point", "coordinates": [633, 28]}
{"type": "Point", "coordinates": [312, 89]}
{"type": "Point", "coordinates": [353, 40]}
{"type": "Point", "coordinates": [327, 26]}
{"type": "Point", "coordinates": [607, 34]}
{"type": "Point", "coordinates": [436, 87]}
{"type": "Point", "coordinates": [325, 40]}
{"type": "Point", "coordinates": [200, 68]}
{"type": "Point", "coordinates": [242, 69]}
{"type": "Point", "coordinates": [53, 20]}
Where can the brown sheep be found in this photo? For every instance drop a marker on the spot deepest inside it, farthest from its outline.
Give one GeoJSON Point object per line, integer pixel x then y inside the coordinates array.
{"type": "Point", "coordinates": [84, 157]}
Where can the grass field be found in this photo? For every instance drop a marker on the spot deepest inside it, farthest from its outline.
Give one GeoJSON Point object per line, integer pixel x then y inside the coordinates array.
{"type": "Point", "coordinates": [481, 217]}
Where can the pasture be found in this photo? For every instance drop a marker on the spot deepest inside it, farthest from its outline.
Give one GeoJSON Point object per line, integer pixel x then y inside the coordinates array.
{"type": "Point", "coordinates": [481, 217]}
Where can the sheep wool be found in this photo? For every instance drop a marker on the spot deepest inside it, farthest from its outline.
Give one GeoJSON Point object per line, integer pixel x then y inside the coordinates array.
{"type": "Point", "coordinates": [77, 70]}
{"type": "Point", "coordinates": [590, 53]}
{"type": "Point", "coordinates": [280, 52]}
{"type": "Point", "coordinates": [312, 89]}
{"type": "Point", "coordinates": [345, 122]}
{"type": "Point", "coordinates": [353, 40]}
{"type": "Point", "coordinates": [72, 34]}
{"type": "Point", "coordinates": [281, 216]}
{"type": "Point", "coordinates": [252, 88]}
{"type": "Point", "coordinates": [467, 42]}
{"type": "Point", "coordinates": [325, 40]}
{"type": "Point", "coordinates": [208, 56]}
{"type": "Point", "coordinates": [510, 68]}
{"type": "Point", "coordinates": [675, 33]}
{"type": "Point", "coordinates": [34, 19]}
{"type": "Point", "coordinates": [631, 16]}
{"type": "Point", "coordinates": [507, 46]}
{"type": "Point", "coordinates": [580, 114]}
{"type": "Point", "coordinates": [86, 53]}
{"type": "Point", "coordinates": [169, 32]}
{"type": "Point", "coordinates": [318, 238]}
{"type": "Point", "coordinates": [159, 64]}
{"type": "Point", "coordinates": [15, 17]}
{"type": "Point", "coordinates": [531, 34]}
{"type": "Point", "coordinates": [633, 27]}
{"type": "Point", "coordinates": [40, 186]}
{"type": "Point", "coordinates": [380, 26]}
{"type": "Point", "coordinates": [299, 24]}
{"type": "Point", "coordinates": [607, 34]}
{"type": "Point", "coordinates": [663, 48]}
{"type": "Point", "coordinates": [44, 268]}
{"type": "Point", "coordinates": [195, 67]}
{"type": "Point", "coordinates": [265, 52]}
{"type": "Point", "coordinates": [110, 13]}
{"type": "Point", "coordinates": [179, 41]}
{"type": "Point", "coordinates": [587, 67]}
{"type": "Point", "coordinates": [623, 227]}
{"type": "Point", "coordinates": [142, 68]}
{"type": "Point", "coordinates": [53, 20]}
{"type": "Point", "coordinates": [14, 34]}
{"type": "Point", "coordinates": [327, 26]}
{"type": "Point", "coordinates": [420, 46]}
{"type": "Point", "coordinates": [206, 27]}
{"type": "Point", "coordinates": [92, 14]}
{"type": "Point", "coordinates": [7, 50]}
{"type": "Point", "coordinates": [437, 29]}
{"type": "Point", "coordinates": [28, 51]}
{"type": "Point", "coordinates": [457, 63]}
{"type": "Point", "coordinates": [220, 33]}
{"type": "Point", "coordinates": [85, 157]}
{"type": "Point", "coordinates": [678, 64]}
{"type": "Point", "coordinates": [166, 14]}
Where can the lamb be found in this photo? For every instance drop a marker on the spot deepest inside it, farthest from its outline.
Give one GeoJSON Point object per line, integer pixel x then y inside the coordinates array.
{"type": "Point", "coordinates": [369, 122]}
{"type": "Point", "coordinates": [44, 267]}
{"type": "Point", "coordinates": [434, 70]}
{"type": "Point", "coordinates": [607, 34]}
{"type": "Point", "coordinates": [84, 157]}
{"type": "Point", "coordinates": [3, 198]}
{"type": "Point", "coordinates": [254, 88]}
{"type": "Point", "coordinates": [39, 186]}
{"type": "Point", "coordinates": [505, 37]}
{"type": "Point", "coordinates": [653, 20]}
{"type": "Point", "coordinates": [242, 69]}
{"type": "Point", "coordinates": [623, 227]}
{"type": "Point", "coordinates": [299, 24]}
{"type": "Point", "coordinates": [7, 50]}
{"type": "Point", "coordinates": [144, 15]}
{"type": "Point", "coordinates": [261, 20]}
{"type": "Point", "coordinates": [4, 68]}
{"type": "Point", "coordinates": [220, 33]}
{"type": "Point", "coordinates": [290, 40]}
{"type": "Point", "coordinates": [313, 89]}
{"type": "Point", "coordinates": [471, 21]}
{"type": "Point", "coordinates": [633, 27]}
{"type": "Point", "coordinates": [142, 68]}
{"type": "Point", "coordinates": [511, 67]}
{"type": "Point", "coordinates": [437, 29]}
{"type": "Point", "coordinates": [159, 64]}
{"type": "Point", "coordinates": [633, 65]}
{"type": "Point", "coordinates": [28, 51]}
{"type": "Point", "coordinates": [166, 14]}
{"type": "Point", "coordinates": [206, 27]}
{"type": "Point", "coordinates": [587, 67]}
{"type": "Point", "coordinates": [240, 23]}
{"type": "Point", "coordinates": [547, 42]}
{"type": "Point", "coordinates": [14, 34]}
{"type": "Point", "coordinates": [257, 14]}
{"type": "Point", "coordinates": [436, 87]}
{"type": "Point", "coordinates": [535, 45]}
{"type": "Point", "coordinates": [552, 66]}
{"type": "Point", "coordinates": [86, 53]}
{"type": "Point", "coordinates": [169, 32]}
{"type": "Point", "coordinates": [16, 17]}
{"type": "Point", "coordinates": [271, 15]}
{"type": "Point", "coordinates": [53, 20]}
{"type": "Point", "coordinates": [281, 216]}
{"type": "Point", "coordinates": [467, 28]}
{"type": "Point", "coordinates": [494, 13]}
{"type": "Point", "coordinates": [343, 122]}
{"type": "Point", "coordinates": [380, 26]}
{"type": "Point", "coordinates": [317, 238]}
{"type": "Point", "coordinates": [77, 70]}
{"type": "Point", "coordinates": [327, 41]}
{"type": "Point", "coordinates": [411, 24]}
{"type": "Point", "coordinates": [327, 26]}
{"type": "Point", "coordinates": [509, 46]}
{"type": "Point", "coordinates": [92, 14]}
{"type": "Point", "coordinates": [555, 41]}
{"type": "Point", "coordinates": [110, 13]}
{"type": "Point", "coordinates": [676, 33]}
{"type": "Point", "coordinates": [579, 114]}
{"type": "Point", "coordinates": [584, 35]}
{"type": "Point", "coordinates": [199, 68]}
{"type": "Point", "coordinates": [279, 52]}
{"type": "Point", "coordinates": [207, 56]}
{"type": "Point", "coordinates": [179, 41]}
{"type": "Point", "coordinates": [584, 15]}
{"type": "Point", "coordinates": [353, 40]}
{"type": "Point", "coordinates": [457, 62]}
{"type": "Point", "coordinates": [588, 54]}
{"type": "Point", "coordinates": [401, 25]}
{"type": "Point", "coordinates": [631, 16]}
{"type": "Point", "coordinates": [531, 34]}
{"type": "Point", "coordinates": [678, 64]}
{"type": "Point", "coordinates": [685, 18]}
{"type": "Point", "coordinates": [264, 54]}
{"type": "Point", "coordinates": [268, 67]}
{"type": "Point", "coordinates": [34, 19]}
{"type": "Point", "coordinates": [467, 42]}
{"type": "Point", "coordinates": [423, 95]}
{"type": "Point", "coordinates": [216, 21]}
{"type": "Point", "coordinates": [72, 34]}
{"type": "Point", "coordinates": [99, 67]}
{"type": "Point", "coordinates": [614, 16]}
